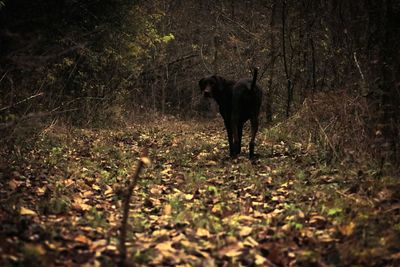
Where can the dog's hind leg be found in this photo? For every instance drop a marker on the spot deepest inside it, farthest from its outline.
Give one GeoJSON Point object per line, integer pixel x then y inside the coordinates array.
{"type": "Point", "coordinates": [254, 129]}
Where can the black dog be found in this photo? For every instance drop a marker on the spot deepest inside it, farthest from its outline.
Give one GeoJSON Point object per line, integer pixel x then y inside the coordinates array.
{"type": "Point", "coordinates": [238, 102]}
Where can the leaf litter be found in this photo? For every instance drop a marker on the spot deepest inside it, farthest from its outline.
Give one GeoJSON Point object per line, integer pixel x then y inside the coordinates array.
{"type": "Point", "coordinates": [61, 202]}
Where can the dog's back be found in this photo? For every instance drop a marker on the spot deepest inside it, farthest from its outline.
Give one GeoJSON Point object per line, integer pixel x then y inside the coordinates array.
{"type": "Point", "coordinates": [246, 101]}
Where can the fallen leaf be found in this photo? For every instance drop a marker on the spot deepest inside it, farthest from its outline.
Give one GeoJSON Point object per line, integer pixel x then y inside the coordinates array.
{"type": "Point", "coordinates": [167, 210]}
{"type": "Point", "coordinates": [102, 243]}
{"type": "Point", "coordinates": [157, 190]}
{"type": "Point", "coordinates": [211, 163]}
{"type": "Point", "coordinates": [189, 196]}
{"type": "Point", "coordinates": [167, 171]}
{"type": "Point", "coordinates": [250, 242]}
{"type": "Point", "coordinates": [347, 229]}
{"type": "Point", "coordinates": [161, 232]}
{"type": "Point", "coordinates": [35, 249]}
{"type": "Point", "coordinates": [57, 246]}
{"type": "Point", "coordinates": [96, 187]}
{"type": "Point", "coordinates": [83, 239]}
{"type": "Point", "coordinates": [165, 247]}
{"type": "Point", "coordinates": [26, 211]}
{"type": "Point", "coordinates": [317, 221]}
{"type": "Point", "coordinates": [14, 184]}
{"type": "Point", "coordinates": [286, 227]}
{"type": "Point", "coordinates": [325, 237]}
{"type": "Point", "coordinates": [245, 231]}
{"type": "Point", "coordinates": [231, 251]}
{"type": "Point", "coordinates": [87, 193]}
{"type": "Point", "coordinates": [216, 208]}
{"type": "Point", "coordinates": [109, 191]}
{"type": "Point", "coordinates": [80, 205]}
{"type": "Point", "coordinates": [40, 191]}
{"type": "Point", "coordinates": [146, 161]}
{"type": "Point", "coordinates": [69, 182]}
{"type": "Point", "coordinates": [260, 260]}
{"type": "Point", "coordinates": [201, 232]}
{"type": "Point", "coordinates": [395, 256]}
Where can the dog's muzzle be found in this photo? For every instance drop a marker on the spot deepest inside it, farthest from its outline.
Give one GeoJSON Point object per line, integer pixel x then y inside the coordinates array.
{"type": "Point", "coordinates": [207, 92]}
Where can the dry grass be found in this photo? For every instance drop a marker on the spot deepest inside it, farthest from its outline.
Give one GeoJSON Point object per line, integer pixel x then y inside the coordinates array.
{"type": "Point", "coordinates": [335, 122]}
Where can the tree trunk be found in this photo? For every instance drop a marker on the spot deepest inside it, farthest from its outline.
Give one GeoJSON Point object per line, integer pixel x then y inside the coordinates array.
{"type": "Point", "coordinates": [269, 93]}
{"type": "Point", "coordinates": [289, 83]}
{"type": "Point", "coordinates": [384, 86]}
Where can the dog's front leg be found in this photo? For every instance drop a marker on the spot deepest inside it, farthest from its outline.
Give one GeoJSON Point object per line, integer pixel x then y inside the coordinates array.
{"type": "Point", "coordinates": [236, 142]}
{"type": "Point", "coordinates": [230, 137]}
{"type": "Point", "coordinates": [240, 133]}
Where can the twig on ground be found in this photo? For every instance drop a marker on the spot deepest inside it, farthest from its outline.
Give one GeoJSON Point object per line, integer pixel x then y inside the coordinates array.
{"type": "Point", "coordinates": [125, 212]}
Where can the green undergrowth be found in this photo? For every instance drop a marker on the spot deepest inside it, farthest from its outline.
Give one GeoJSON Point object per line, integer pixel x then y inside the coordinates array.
{"type": "Point", "coordinates": [61, 201]}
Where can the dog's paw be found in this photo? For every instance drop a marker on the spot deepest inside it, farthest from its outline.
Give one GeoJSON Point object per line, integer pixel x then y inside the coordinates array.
{"type": "Point", "coordinates": [254, 158]}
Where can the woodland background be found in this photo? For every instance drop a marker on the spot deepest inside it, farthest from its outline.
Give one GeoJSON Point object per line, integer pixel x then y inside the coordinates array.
{"type": "Point", "coordinates": [86, 85]}
{"type": "Point", "coordinates": [334, 65]}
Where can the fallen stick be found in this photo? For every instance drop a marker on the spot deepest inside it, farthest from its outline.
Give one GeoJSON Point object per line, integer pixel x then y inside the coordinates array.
{"type": "Point", "coordinates": [125, 212]}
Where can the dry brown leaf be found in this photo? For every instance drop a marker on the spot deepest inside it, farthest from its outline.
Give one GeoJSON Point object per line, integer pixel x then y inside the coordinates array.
{"type": "Point", "coordinates": [300, 214]}
{"type": "Point", "coordinates": [216, 209]}
{"type": "Point", "coordinates": [69, 182]}
{"type": "Point", "coordinates": [80, 205]}
{"type": "Point", "coordinates": [201, 232]}
{"type": "Point", "coordinates": [161, 232]}
{"type": "Point", "coordinates": [83, 239]}
{"type": "Point", "coordinates": [231, 251]}
{"type": "Point", "coordinates": [165, 247]}
{"type": "Point", "coordinates": [155, 201]}
{"type": "Point", "coordinates": [286, 227]}
{"type": "Point", "coordinates": [157, 190]}
{"type": "Point", "coordinates": [96, 187]}
{"type": "Point", "coordinates": [109, 191]}
{"type": "Point", "coordinates": [211, 163]}
{"type": "Point", "coordinates": [167, 210]}
{"type": "Point", "coordinates": [87, 194]}
{"type": "Point", "coordinates": [395, 256]}
{"type": "Point", "coordinates": [250, 242]}
{"type": "Point", "coordinates": [57, 246]}
{"type": "Point", "coordinates": [167, 172]}
{"type": "Point", "coordinates": [324, 236]}
{"type": "Point", "coordinates": [26, 211]}
{"type": "Point", "coordinates": [99, 245]}
{"type": "Point", "coordinates": [37, 249]}
{"type": "Point", "coordinates": [306, 232]}
{"type": "Point", "coordinates": [189, 196]}
{"type": "Point", "coordinates": [245, 231]}
{"type": "Point", "coordinates": [40, 191]}
{"type": "Point", "coordinates": [347, 229]}
{"type": "Point", "coordinates": [260, 260]}
{"type": "Point", "coordinates": [317, 221]}
{"type": "Point", "coordinates": [14, 184]}
{"type": "Point", "coordinates": [146, 161]}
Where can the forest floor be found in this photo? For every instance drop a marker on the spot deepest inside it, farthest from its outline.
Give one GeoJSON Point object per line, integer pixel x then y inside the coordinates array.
{"type": "Point", "coordinates": [193, 206]}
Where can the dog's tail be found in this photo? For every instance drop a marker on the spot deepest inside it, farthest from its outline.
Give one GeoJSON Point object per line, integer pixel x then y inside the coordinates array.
{"type": "Point", "coordinates": [253, 83]}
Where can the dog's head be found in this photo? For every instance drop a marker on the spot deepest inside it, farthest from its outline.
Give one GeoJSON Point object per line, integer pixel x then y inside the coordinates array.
{"type": "Point", "coordinates": [211, 86]}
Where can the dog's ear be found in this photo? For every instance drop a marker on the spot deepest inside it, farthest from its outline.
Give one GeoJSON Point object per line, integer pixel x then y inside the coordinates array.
{"type": "Point", "coordinates": [202, 84]}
